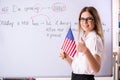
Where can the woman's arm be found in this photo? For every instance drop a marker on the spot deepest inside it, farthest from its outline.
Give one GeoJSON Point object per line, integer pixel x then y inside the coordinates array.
{"type": "Point", "coordinates": [94, 61]}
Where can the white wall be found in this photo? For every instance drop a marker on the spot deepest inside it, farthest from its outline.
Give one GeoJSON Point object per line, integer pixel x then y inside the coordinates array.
{"type": "Point", "coordinates": [25, 34]}
{"type": "Point", "coordinates": [115, 41]}
{"type": "Point", "coordinates": [32, 32]}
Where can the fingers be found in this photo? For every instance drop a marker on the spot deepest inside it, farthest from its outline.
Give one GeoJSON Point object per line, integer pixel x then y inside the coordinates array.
{"type": "Point", "coordinates": [81, 45]}
{"type": "Point", "coordinates": [78, 47]}
{"type": "Point", "coordinates": [63, 55]}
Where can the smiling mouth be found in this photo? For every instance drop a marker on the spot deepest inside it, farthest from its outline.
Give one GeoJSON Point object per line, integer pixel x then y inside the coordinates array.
{"type": "Point", "coordinates": [86, 26]}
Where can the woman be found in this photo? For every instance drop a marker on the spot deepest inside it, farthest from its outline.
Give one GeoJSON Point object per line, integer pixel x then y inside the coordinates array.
{"type": "Point", "coordinates": [90, 48]}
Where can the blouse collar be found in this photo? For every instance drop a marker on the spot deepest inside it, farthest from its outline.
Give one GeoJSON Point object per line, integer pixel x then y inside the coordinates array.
{"type": "Point", "coordinates": [92, 33]}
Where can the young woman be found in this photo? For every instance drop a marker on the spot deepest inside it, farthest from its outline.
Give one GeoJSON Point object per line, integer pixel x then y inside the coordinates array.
{"type": "Point", "coordinates": [90, 47]}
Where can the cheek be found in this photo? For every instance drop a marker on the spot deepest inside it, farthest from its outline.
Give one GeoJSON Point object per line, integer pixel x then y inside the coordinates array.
{"type": "Point", "coordinates": [80, 23]}
{"type": "Point", "coordinates": [92, 25]}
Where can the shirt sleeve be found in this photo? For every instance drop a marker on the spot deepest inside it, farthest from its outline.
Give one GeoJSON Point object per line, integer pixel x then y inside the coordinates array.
{"type": "Point", "coordinates": [97, 47]}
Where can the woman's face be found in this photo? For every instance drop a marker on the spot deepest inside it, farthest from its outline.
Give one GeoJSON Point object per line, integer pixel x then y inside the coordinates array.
{"type": "Point", "coordinates": [87, 22]}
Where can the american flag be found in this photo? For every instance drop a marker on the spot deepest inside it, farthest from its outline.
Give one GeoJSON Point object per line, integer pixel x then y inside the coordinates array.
{"type": "Point", "coordinates": [69, 46]}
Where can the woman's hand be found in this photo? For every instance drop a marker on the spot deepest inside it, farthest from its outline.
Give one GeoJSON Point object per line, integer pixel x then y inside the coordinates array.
{"type": "Point", "coordinates": [63, 55]}
{"type": "Point", "coordinates": [81, 47]}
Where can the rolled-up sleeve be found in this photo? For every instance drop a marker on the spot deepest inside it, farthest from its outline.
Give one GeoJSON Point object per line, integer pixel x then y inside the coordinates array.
{"type": "Point", "coordinates": [96, 47]}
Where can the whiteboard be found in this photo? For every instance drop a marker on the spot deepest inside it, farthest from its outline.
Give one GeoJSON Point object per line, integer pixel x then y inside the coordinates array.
{"type": "Point", "coordinates": [32, 32]}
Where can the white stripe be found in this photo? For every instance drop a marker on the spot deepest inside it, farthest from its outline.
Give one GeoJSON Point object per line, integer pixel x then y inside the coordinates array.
{"type": "Point", "coordinates": [72, 49]}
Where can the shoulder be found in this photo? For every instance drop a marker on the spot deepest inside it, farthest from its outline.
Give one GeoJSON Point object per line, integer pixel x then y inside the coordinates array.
{"type": "Point", "coordinates": [95, 43]}
{"type": "Point", "coordinates": [94, 37]}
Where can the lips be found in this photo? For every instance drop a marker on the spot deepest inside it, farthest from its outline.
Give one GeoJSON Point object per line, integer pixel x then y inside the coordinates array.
{"type": "Point", "coordinates": [85, 26]}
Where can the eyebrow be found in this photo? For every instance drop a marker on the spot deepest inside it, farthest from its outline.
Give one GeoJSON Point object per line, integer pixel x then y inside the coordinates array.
{"type": "Point", "coordinates": [87, 17]}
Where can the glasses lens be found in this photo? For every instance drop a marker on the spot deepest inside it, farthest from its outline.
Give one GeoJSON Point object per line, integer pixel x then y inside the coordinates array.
{"type": "Point", "coordinates": [89, 19]}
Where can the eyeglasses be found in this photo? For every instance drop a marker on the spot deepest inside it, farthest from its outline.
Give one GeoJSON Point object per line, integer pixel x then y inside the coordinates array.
{"type": "Point", "coordinates": [88, 19]}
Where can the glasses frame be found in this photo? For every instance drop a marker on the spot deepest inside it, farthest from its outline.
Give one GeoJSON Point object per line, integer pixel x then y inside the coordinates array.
{"type": "Point", "coordinates": [88, 19]}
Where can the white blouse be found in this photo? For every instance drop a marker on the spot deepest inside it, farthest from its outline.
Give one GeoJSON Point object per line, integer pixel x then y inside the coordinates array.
{"type": "Point", "coordinates": [95, 45]}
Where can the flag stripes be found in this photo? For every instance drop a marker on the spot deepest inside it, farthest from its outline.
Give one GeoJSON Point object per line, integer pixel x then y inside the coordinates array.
{"type": "Point", "coordinates": [69, 46]}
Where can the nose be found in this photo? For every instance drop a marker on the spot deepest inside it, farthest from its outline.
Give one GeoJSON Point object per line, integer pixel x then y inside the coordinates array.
{"type": "Point", "coordinates": [85, 21]}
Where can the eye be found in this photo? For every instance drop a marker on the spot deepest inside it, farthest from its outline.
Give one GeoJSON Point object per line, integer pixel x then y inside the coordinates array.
{"type": "Point", "coordinates": [82, 19]}
{"type": "Point", "coordinates": [88, 19]}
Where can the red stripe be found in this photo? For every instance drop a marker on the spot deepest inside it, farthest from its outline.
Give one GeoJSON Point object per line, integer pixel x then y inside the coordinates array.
{"type": "Point", "coordinates": [67, 41]}
{"type": "Point", "coordinates": [73, 50]}
{"type": "Point", "coordinates": [64, 44]}
{"type": "Point", "coordinates": [69, 47]}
